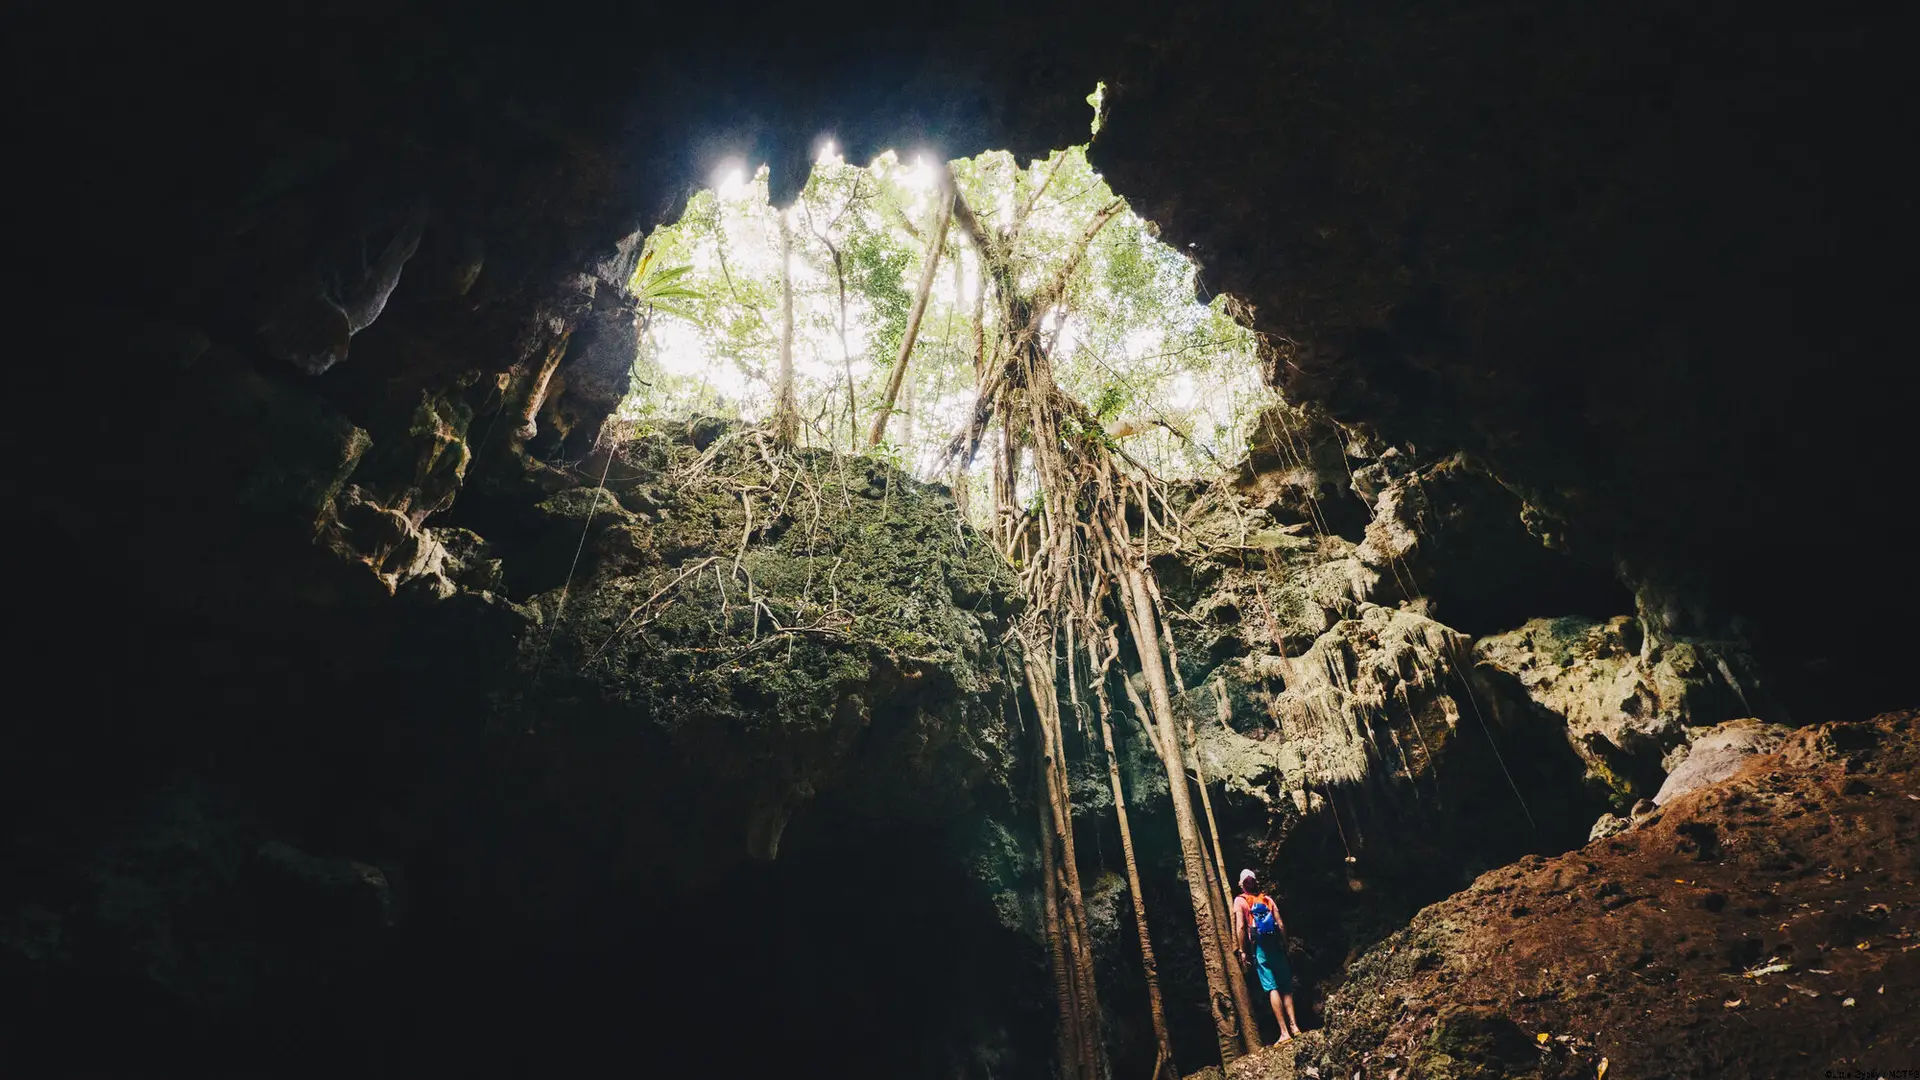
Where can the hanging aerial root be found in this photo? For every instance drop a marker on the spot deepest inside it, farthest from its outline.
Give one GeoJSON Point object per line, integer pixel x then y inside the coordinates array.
{"type": "Point", "coordinates": [1072, 549]}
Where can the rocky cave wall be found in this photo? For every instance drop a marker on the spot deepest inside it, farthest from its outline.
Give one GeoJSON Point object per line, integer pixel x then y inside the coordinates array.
{"type": "Point", "coordinates": [328, 310]}
{"type": "Point", "coordinates": [1366, 756]}
{"type": "Point", "coordinates": [1624, 257]}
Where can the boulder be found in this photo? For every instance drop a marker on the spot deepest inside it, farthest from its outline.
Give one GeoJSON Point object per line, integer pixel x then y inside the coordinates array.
{"type": "Point", "coordinates": [349, 891]}
{"type": "Point", "coordinates": [1718, 753]}
{"type": "Point", "coordinates": [1609, 825]}
{"type": "Point", "coordinates": [742, 660]}
{"type": "Point", "coordinates": [1627, 700]}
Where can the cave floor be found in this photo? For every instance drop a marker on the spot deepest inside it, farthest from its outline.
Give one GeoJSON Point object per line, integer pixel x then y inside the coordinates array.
{"type": "Point", "coordinates": [1730, 933]}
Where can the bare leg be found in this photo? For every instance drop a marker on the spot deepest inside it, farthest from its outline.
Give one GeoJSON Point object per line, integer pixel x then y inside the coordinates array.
{"type": "Point", "coordinates": [1273, 998]}
{"type": "Point", "coordinates": [1290, 1022]}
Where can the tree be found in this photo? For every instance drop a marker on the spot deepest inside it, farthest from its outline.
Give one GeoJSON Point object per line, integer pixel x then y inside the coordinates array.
{"type": "Point", "coordinates": [1094, 375]}
{"type": "Point", "coordinates": [1156, 716]}
{"type": "Point", "coordinates": [1173, 377]}
{"type": "Point", "coordinates": [817, 185]}
{"type": "Point", "coordinates": [1074, 977]}
{"type": "Point", "coordinates": [786, 413]}
{"type": "Point", "coordinates": [1099, 665]}
{"type": "Point", "coordinates": [913, 321]}
{"type": "Point", "coordinates": [1075, 547]}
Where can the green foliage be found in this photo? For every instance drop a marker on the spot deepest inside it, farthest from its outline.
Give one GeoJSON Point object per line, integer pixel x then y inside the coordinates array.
{"type": "Point", "coordinates": [657, 286]}
{"type": "Point", "coordinates": [1113, 398]}
{"type": "Point", "coordinates": [876, 270]}
{"type": "Point", "coordinates": [1176, 376]}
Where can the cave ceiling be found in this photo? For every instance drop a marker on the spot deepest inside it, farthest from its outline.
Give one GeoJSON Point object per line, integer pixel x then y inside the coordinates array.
{"type": "Point", "coordinates": [1627, 257]}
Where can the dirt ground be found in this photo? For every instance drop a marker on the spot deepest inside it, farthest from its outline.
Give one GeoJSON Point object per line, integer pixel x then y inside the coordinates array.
{"type": "Point", "coordinates": [1768, 925]}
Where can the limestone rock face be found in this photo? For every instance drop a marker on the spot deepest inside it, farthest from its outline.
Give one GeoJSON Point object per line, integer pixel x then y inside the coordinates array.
{"type": "Point", "coordinates": [194, 902]}
{"type": "Point", "coordinates": [1004, 862]}
{"type": "Point", "coordinates": [1629, 702]}
{"type": "Point", "coordinates": [360, 890]}
{"type": "Point", "coordinates": [1300, 464]}
{"type": "Point", "coordinates": [1314, 659]}
{"type": "Point", "coordinates": [1452, 536]}
{"type": "Point", "coordinates": [1356, 754]}
{"type": "Point", "coordinates": [1371, 693]}
{"type": "Point", "coordinates": [751, 657]}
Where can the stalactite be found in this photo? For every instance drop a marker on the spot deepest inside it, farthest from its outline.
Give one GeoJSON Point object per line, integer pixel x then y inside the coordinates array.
{"type": "Point", "coordinates": [1157, 719]}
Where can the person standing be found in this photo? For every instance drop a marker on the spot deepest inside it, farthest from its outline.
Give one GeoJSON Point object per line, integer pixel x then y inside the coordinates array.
{"type": "Point", "coordinates": [1263, 947]}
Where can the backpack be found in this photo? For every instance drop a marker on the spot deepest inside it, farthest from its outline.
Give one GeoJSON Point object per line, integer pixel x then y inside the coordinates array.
{"type": "Point", "coordinates": [1266, 927]}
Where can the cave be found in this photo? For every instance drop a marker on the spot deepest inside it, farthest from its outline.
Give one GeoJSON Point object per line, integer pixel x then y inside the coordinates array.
{"type": "Point", "coordinates": [408, 682]}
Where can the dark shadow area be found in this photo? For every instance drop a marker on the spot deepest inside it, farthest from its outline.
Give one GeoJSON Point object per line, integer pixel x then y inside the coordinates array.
{"type": "Point", "coordinates": [863, 950]}
{"type": "Point", "coordinates": [1486, 559]}
{"type": "Point", "coordinates": [856, 953]}
{"type": "Point", "coordinates": [1498, 587]}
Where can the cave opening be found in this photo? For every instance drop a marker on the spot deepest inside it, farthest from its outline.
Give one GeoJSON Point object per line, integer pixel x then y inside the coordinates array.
{"type": "Point", "coordinates": [508, 639]}
{"type": "Point", "coordinates": [890, 322]}
{"type": "Point", "coordinates": [656, 852]}
{"type": "Point", "coordinates": [793, 328]}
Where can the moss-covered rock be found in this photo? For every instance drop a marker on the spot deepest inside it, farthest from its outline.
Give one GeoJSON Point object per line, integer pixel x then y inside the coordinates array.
{"type": "Point", "coordinates": [1472, 1042]}
{"type": "Point", "coordinates": [287, 452]}
{"type": "Point", "coordinates": [774, 624]}
{"type": "Point", "coordinates": [1004, 861]}
{"type": "Point", "coordinates": [1630, 702]}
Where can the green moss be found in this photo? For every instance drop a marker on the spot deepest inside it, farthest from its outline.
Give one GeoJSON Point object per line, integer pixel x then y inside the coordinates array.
{"type": "Point", "coordinates": [1621, 791]}
{"type": "Point", "coordinates": [1558, 639]}
{"type": "Point", "coordinates": [775, 628]}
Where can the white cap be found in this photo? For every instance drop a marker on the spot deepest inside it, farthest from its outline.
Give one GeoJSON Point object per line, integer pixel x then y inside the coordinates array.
{"type": "Point", "coordinates": [1246, 876]}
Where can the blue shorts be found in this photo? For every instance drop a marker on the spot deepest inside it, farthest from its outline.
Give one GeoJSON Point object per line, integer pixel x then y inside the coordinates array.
{"type": "Point", "coordinates": [1275, 974]}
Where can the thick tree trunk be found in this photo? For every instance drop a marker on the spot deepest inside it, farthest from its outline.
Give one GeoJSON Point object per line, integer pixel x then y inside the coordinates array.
{"type": "Point", "coordinates": [846, 354]}
{"type": "Point", "coordinates": [1224, 935]}
{"type": "Point", "coordinates": [980, 320]}
{"type": "Point", "coordinates": [907, 421]}
{"type": "Point", "coordinates": [1218, 873]}
{"type": "Point", "coordinates": [1086, 1005]}
{"type": "Point", "coordinates": [1223, 904]}
{"type": "Point", "coordinates": [1149, 965]}
{"type": "Point", "coordinates": [899, 371]}
{"type": "Point", "coordinates": [1040, 681]}
{"type": "Point", "coordinates": [1063, 982]}
{"type": "Point", "coordinates": [786, 412]}
{"type": "Point", "coordinates": [1139, 609]}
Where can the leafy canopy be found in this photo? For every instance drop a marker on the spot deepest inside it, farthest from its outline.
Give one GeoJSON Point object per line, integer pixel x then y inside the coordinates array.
{"type": "Point", "coordinates": [1172, 375]}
